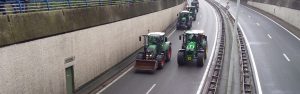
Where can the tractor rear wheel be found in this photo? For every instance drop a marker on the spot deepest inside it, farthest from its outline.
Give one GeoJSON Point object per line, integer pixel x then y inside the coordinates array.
{"type": "Point", "coordinates": [169, 54]}
{"type": "Point", "coordinates": [205, 54]}
{"type": "Point", "coordinates": [161, 61]}
{"type": "Point", "coordinates": [200, 59]}
{"type": "Point", "coordinates": [180, 58]}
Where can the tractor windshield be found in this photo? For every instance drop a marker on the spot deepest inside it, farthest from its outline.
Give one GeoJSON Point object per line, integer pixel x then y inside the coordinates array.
{"type": "Point", "coordinates": [153, 40]}
{"type": "Point", "coordinates": [191, 37]}
{"type": "Point", "coordinates": [183, 16]}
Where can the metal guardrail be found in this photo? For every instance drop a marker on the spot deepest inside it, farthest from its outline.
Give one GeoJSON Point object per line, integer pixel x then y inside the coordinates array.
{"type": "Point", "coordinates": [246, 77]}
{"type": "Point", "coordinates": [17, 6]}
{"type": "Point", "coordinates": [247, 81]}
{"type": "Point", "coordinates": [218, 65]}
{"type": "Point", "coordinates": [246, 74]}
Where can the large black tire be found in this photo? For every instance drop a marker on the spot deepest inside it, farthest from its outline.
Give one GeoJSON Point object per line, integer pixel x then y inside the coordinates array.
{"type": "Point", "coordinates": [180, 58]}
{"type": "Point", "coordinates": [205, 54]}
{"type": "Point", "coordinates": [160, 61]}
{"type": "Point", "coordinates": [200, 59]}
{"type": "Point", "coordinates": [168, 54]}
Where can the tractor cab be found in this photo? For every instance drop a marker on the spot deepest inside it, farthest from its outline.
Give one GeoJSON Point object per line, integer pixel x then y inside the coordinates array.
{"type": "Point", "coordinates": [195, 3]}
{"type": "Point", "coordinates": [184, 20]}
{"type": "Point", "coordinates": [193, 11]}
{"type": "Point", "coordinates": [196, 36]}
{"type": "Point", "coordinates": [156, 38]}
{"type": "Point", "coordinates": [155, 41]}
{"type": "Point", "coordinates": [184, 15]}
{"type": "Point", "coordinates": [194, 47]}
{"type": "Point", "coordinates": [157, 51]}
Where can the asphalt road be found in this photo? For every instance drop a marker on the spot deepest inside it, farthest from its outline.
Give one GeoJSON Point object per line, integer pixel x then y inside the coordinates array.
{"type": "Point", "coordinates": [275, 53]}
{"type": "Point", "coordinates": [172, 79]}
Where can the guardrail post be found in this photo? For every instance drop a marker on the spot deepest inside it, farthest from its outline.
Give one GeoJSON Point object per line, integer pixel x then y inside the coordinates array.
{"type": "Point", "coordinates": [47, 2]}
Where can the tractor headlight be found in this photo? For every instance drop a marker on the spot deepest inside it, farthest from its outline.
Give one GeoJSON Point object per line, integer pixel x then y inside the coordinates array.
{"type": "Point", "coordinates": [149, 55]}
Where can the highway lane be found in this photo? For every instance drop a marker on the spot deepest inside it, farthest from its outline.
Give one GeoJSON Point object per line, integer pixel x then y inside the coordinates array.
{"type": "Point", "coordinates": [172, 79]}
{"type": "Point", "coordinates": [275, 52]}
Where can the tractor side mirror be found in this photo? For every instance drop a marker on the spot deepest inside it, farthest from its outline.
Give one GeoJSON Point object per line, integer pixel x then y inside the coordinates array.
{"type": "Point", "coordinates": [179, 37]}
{"type": "Point", "coordinates": [140, 38]}
{"type": "Point", "coordinates": [166, 39]}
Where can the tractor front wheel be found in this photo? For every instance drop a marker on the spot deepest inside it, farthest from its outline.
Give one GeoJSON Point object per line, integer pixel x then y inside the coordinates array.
{"type": "Point", "coordinates": [200, 59]}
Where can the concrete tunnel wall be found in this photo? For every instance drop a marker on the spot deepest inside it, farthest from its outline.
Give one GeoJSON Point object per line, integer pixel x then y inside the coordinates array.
{"type": "Point", "coordinates": [38, 66]}
{"type": "Point", "coordinates": [14, 28]}
{"type": "Point", "coordinates": [287, 14]}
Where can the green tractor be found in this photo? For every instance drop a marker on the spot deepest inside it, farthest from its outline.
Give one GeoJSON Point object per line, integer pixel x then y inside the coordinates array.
{"type": "Point", "coordinates": [194, 48]}
{"type": "Point", "coordinates": [157, 51]}
{"type": "Point", "coordinates": [184, 20]}
{"type": "Point", "coordinates": [193, 11]}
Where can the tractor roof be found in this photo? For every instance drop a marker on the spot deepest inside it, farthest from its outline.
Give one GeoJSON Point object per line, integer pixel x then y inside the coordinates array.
{"type": "Point", "coordinates": [184, 11]}
{"type": "Point", "coordinates": [195, 32]}
{"type": "Point", "coordinates": [156, 34]}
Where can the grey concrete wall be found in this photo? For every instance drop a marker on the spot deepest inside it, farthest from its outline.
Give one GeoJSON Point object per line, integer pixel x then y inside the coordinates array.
{"type": "Point", "coordinates": [38, 66]}
{"type": "Point", "coordinates": [289, 15]}
{"type": "Point", "coordinates": [30, 26]}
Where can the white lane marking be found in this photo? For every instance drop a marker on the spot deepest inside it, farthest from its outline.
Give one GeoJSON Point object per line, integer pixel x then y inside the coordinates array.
{"type": "Point", "coordinates": [201, 85]}
{"type": "Point", "coordinates": [249, 16]}
{"type": "Point", "coordinates": [151, 88]}
{"type": "Point", "coordinates": [275, 23]}
{"type": "Point", "coordinates": [198, 22]}
{"type": "Point", "coordinates": [171, 33]}
{"type": "Point", "coordinates": [99, 92]}
{"type": "Point", "coordinates": [257, 81]}
{"type": "Point", "coordinates": [269, 36]}
{"type": "Point", "coordinates": [286, 57]}
{"type": "Point", "coordinates": [257, 24]}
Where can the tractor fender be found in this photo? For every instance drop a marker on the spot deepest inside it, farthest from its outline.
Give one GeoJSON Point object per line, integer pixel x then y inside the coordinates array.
{"type": "Point", "coordinates": [167, 46]}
